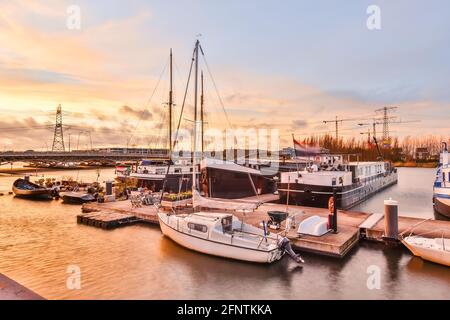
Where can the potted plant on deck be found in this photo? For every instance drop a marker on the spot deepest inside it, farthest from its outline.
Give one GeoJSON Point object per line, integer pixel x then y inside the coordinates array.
{"type": "Point", "coordinates": [175, 200]}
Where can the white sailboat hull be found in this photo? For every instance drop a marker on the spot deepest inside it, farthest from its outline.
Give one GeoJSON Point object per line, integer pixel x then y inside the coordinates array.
{"type": "Point", "coordinates": [210, 247]}
{"type": "Point", "coordinates": [433, 255]}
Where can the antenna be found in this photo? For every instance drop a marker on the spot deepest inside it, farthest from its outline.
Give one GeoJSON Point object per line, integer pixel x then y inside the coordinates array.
{"type": "Point", "coordinates": [58, 137]}
{"type": "Point", "coordinates": [202, 102]}
{"type": "Point", "coordinates": [194, 176]}
{"type": "Point", "coordinates": [170, 107]}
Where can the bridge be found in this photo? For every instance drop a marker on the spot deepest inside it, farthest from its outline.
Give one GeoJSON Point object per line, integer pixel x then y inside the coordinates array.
{"type": "Point", "coordinates": [78, 156]}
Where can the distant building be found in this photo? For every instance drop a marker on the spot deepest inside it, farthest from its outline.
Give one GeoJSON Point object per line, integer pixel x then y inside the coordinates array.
{"type": "Point", "coordinates": [287, 152]}
{"type": "Point", "coordinates": [143, 151]}
{"type": "Point", "coordinates": [422, 154]}
{"type": "Point", "coordinates": [398, 154]}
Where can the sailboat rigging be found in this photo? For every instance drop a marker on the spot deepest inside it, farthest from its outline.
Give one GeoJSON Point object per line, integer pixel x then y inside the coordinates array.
{"type": "Point", "coordinates": [219, 233]}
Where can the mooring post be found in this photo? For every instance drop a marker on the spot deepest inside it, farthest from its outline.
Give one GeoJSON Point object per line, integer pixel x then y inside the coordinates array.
{"type": "Point", "coordinates": [335, 210]}
{"type": "Point", "coordinates": [109, 184]}
{"type": "Point", "coordinates": [390, 219]}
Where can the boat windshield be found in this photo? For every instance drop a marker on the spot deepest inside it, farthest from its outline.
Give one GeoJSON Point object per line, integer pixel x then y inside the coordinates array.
{"type": "Point", "coordinates": [227, 224]}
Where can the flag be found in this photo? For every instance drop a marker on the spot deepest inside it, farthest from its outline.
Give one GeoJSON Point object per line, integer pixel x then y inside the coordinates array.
{"type": "Point", "coordinates": [303, 150]}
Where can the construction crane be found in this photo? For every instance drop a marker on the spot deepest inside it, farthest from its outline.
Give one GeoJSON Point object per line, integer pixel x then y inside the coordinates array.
{"type": "Point", "coordinates": [337, 121]}
{"type": "Point", "coordinates": [376, 122]}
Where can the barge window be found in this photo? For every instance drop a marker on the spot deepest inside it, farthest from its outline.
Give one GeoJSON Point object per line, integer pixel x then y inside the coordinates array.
{"type": "Point", "coordinates": [197, 227]}
{"type": "Point", "coordinates": [177, 170]}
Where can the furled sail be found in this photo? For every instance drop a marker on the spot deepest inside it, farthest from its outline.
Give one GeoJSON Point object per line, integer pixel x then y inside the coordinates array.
{"type": "Point", "coordinates": [223, 204]}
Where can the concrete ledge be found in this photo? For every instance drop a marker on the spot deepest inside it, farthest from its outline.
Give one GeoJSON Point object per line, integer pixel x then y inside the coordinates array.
{"type": "Point", "coordinates": [11, 290]}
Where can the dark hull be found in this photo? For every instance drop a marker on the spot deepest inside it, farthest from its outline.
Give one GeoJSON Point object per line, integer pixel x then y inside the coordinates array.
{"type": "Point", "coordinates": [347, 197]}
{"type": "Point", "coordinates": [216, 183]}
{"type": "Point", "coordinates": [228, 184]}
{"type": "Point", "coordinates": [33, 192]}
{"type": "Point", "coordinates": [442, 207]}
{"type": "Point", "coordinates": [75, 200]}
{"type": "Point", "coordinates": [174, 183]}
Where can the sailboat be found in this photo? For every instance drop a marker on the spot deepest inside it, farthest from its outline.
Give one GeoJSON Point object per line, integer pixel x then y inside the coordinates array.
{"type": "Point", "coordinates": [436, 250]}
{"type": "Point", "coordinates": [224, 179]}
{"type": "Point", "coordinates": [220, 233]}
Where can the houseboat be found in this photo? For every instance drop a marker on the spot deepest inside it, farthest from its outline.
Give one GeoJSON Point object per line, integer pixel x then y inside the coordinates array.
{"type": "Point", "coordinates": [353, 182]}
{"type": "Point", "coordinates": [216, 178]}
{"type": "Point", "coordinates": [441, 189]}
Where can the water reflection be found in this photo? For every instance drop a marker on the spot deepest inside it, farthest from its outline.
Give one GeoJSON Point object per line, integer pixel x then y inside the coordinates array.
{"type": "Point", "coordinates": [227, 274]}
{"type": "Point", "coordinates": [38, 240]}
{"type": "Point", "coordinates": [418, 266]}
{"type": "Point", "coordinates": [438, 216]}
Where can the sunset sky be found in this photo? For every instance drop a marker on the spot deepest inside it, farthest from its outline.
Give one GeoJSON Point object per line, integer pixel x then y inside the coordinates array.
{"type": "Point", "coordinates": [287, 65]}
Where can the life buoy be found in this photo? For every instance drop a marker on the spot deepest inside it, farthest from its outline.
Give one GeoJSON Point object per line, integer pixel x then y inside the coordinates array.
{"type": "Point", "coordinates": [331, 205]}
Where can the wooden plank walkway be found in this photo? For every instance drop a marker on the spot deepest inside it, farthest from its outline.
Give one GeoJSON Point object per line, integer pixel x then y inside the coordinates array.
{"type": "Point", "coordinates": [106, 219]}
{"type": "Point", "coordinates": [427, 228]}
{"type": "Point", "coordinates": [371, 221]}
{"type": "Point", "coordinates": [110, 215]}
{"type": "Point", "coordinates": [332, 244]}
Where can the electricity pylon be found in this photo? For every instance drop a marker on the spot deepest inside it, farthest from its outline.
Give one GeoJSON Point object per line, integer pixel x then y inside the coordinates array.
{"type": "Point", "coordinates": [58, 137]}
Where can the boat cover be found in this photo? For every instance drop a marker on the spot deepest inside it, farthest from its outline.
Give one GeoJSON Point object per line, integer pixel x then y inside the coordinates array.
{"type": "Point", "coordinates": [224, 204]}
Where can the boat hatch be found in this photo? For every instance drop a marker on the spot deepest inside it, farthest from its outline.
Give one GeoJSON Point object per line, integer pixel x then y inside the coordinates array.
{"type": "Point", "coordinates": [227, 224]}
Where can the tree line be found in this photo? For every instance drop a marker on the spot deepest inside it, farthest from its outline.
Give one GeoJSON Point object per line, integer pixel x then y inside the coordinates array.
{"type": "Point", "coordinates": [398, 150]}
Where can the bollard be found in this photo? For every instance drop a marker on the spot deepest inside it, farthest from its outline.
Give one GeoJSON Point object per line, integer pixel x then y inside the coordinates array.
{"type": "Point", "coordinates": [391, 219]}
{"type": "Point", "coordinates": [335, 223]}
{"type": "Point", "coordinates": [109, 188]}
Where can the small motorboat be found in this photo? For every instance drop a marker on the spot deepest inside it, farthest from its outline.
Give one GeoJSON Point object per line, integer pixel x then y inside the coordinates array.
{"type": "Point", "coordinates": [77, 197]}
{"type": "Point", "coordinates": [24, 188]}
{"type": "Point", "coordinates": [436, 250]}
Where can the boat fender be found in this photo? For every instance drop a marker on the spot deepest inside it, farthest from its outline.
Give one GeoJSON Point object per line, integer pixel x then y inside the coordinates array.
{"type": "Point", "coordinates": [331, 205]}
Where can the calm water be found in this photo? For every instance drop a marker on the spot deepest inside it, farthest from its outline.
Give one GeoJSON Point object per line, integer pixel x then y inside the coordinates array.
{"type": "Point", "coordinates": [40, 239]}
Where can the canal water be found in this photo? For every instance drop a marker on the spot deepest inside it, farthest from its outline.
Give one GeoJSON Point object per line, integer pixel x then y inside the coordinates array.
{"type": "Point", "coordinates": [40, 242]}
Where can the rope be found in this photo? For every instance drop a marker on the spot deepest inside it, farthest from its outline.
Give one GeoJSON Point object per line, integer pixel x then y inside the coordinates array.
{"type": "Point", "coordinates": [148, 102]}
{"type": "Point", "coordinates": [179, 122]}
{"type": "Point", "coordinates": [216, 89]}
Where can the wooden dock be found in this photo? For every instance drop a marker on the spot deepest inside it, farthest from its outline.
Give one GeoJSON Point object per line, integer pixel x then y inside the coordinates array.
{"type": "Point", "coordinates": [352, 226]}
{"type": "Point", "coordinates": [111, 215]}
{"type": "Point", "coordinates": [331, 244]}
{"type": "Point", "coordinates": [106, 219]}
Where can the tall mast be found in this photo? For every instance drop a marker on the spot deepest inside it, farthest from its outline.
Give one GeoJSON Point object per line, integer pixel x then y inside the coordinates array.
{"type": "Point", "coordinates": [170, 107]}
{"type": "Point", "coordinates": [194, 176]}
{"type": "Point", "coordinates": [202, 101]}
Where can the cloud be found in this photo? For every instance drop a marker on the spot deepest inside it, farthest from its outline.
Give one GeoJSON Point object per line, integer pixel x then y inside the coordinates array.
{"type": "Point", "coordinates": [142, 114]}
{"type": "Point", "coordinates": [104, 74]}
{"type": "Point", "coordinates": [299, 124]}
